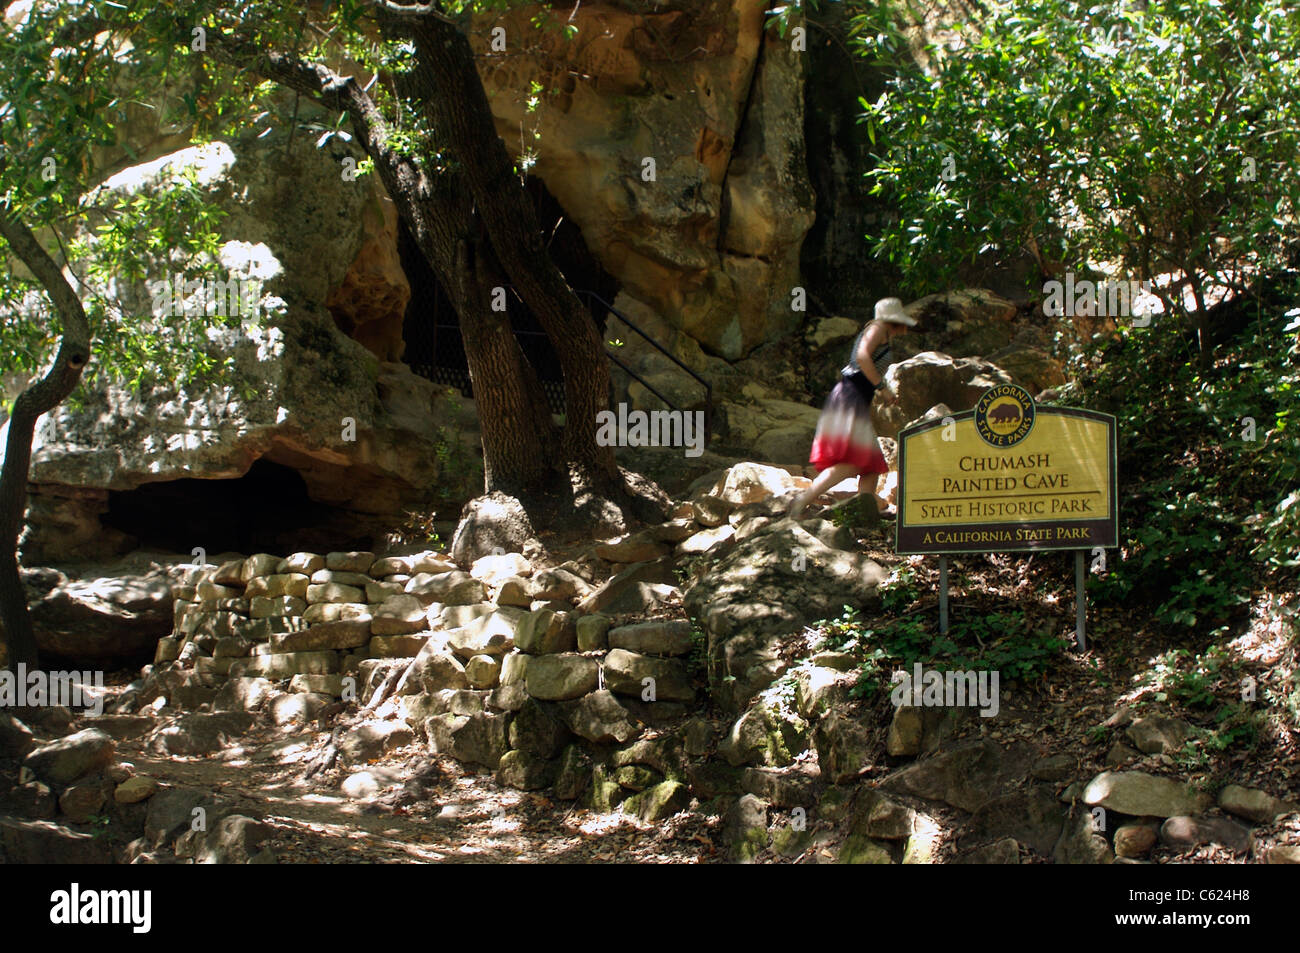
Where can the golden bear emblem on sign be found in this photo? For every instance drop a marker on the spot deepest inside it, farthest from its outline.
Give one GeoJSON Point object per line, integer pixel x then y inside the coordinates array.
{"type": "Point", "coordinates": [1004, 415]}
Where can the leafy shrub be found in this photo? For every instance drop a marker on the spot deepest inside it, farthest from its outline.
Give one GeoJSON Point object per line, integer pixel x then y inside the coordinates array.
{"type": "Point", "coordinates": [1209, 467]}
{"type": "Point", "coordinates": [1157, 138]}
{"type": "Point", "coordinates": [1002, 641]}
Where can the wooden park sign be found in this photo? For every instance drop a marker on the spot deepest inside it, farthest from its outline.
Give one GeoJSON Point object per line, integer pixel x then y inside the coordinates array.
{"type": "Point", "coordinates": [1008, 476]}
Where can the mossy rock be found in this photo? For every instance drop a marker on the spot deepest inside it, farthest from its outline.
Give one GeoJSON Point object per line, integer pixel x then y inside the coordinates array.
{"type": "Point", "coordinates": [710, 779]}
{"type": "Point", "coordinates": [834, 804]}
{"type": "Point", "coordinates": [659, 802]}
{"type": "Point", "coordinates": [575, 774]}
{"type": "Point", "coordinates": [857, 849]}
{"type": "Point", "coordinates": [526, 771]}
{"type": "Point", "coordinates": [765, 736]}
{"type": "Point", "coordinates": [637, 777]}
{"type": "Point", "coordinates": [789, 842]}
{"type": "Point", "coordinates": [749, 845]}
{"type": "Point", "coordinates": [605, 794]}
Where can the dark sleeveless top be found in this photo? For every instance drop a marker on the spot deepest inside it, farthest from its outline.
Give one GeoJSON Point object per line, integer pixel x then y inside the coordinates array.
{"type": "Point", "coordinates": [852, 371]}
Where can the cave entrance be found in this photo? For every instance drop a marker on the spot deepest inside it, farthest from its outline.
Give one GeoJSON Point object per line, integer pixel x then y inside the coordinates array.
{"type": "Point", "coordinates": [265, 510]}
{"type": "Point", "coordinates": [431, 326]}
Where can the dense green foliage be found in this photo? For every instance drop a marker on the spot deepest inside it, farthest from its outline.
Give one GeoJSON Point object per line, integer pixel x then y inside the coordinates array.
{"type": "Point", "coordinates": [1005, 641]}
{"type": "Point", "coordinates": [1136, 139]}
{"type": "Point", "coordinates": [74, 81]}
{"type": "Point", "coordinates": [1209, 464]}
{"type": "Point", "coordinates": [66, 94]}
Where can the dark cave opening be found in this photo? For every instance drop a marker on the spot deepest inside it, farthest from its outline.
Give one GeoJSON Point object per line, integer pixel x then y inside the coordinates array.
{"type": "Point", "coordinates": [266, 510]}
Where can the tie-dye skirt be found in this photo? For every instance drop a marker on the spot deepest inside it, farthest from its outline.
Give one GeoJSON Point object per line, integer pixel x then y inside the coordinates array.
{"type": "Point", "coordinates": [844, 431]}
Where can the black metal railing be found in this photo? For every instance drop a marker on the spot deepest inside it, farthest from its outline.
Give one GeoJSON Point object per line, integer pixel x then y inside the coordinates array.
{"type": "Point", "coordinates": [593, 300]}
{"type": "Point", "coordinates": [600, 308]}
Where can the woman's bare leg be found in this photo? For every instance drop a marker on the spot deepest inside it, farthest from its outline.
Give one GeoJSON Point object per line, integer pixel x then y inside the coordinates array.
{"type": "Point", "coordinates": [881, 503]}
{"type": "Point", "coordinates": [823, 482]}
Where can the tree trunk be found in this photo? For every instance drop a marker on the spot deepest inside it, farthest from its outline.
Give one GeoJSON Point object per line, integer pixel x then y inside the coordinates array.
{"type": "Point", "coordinates": [517, 446]}
{"type": "Point", "coordinates": [48, 392]}
{"type": "Point", "coordinates": [454, 99]}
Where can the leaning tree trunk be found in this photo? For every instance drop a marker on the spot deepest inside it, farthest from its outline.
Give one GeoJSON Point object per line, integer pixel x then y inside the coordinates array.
{"type": "Point", "coordinates": [454, 97]}
{"type": "Point", "coordinates": [518, 452]}
{"type": "Point", "coordinates": [518, 448]}
{"type": "Point", "coordinates": [47, 393]}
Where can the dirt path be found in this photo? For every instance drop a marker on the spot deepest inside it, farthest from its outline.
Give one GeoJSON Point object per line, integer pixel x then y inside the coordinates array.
{"type": "Point", "coordinates": [433, 811]}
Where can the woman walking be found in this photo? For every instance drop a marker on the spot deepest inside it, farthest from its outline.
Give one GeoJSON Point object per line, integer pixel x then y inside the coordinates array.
{"type": "Point", "coordinates": [845, 442]}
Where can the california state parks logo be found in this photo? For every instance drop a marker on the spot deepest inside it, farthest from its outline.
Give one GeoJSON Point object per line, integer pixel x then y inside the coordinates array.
{"type": "Point", "coordinates": [1004, 415]}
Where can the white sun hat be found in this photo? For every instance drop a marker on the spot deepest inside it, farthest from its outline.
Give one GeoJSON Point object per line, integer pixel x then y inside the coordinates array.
{"type": "Point", "coordinates": [891, 310]}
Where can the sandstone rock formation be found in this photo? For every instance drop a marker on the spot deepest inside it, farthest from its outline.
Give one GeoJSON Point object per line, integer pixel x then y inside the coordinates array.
{"type": "Point", "coordinates": [711, 239]}
{"type": "Point", "coordinates": [368, 438]}
{"type": "Point", "coordinates": [928, 379]}
{"type": "Point", "coordinates": [102, 611]}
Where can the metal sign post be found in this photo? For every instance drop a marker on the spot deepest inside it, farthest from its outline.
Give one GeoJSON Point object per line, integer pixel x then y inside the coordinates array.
{"type": "Point", "coordinates": [1080, 611]}
{"type": "Point", "coordinates": [943, 595]}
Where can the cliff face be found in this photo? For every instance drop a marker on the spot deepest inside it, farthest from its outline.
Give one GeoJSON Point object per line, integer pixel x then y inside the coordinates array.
{"type": "Point", "coordinates": [837, 260]}
{"type": "Point", "coordinates": [672, 134]}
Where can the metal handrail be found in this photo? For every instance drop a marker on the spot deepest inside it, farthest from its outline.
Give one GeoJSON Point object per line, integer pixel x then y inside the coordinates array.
{"type": "Point", "coordinates": [610, 309]}
{"type": "Point", "coordinates": [708, 388]}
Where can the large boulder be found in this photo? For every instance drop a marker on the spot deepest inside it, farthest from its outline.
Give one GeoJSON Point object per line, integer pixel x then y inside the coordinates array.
{"type": "Point", "coordinates": [1182, 833]}
{"type": "Point", "coordinates": [1254, 805]}
{"type": "Point", "coordinates": [111, 610]}
{"type": "Point", "coordinates": [756, 482]}
{"type": "Point", "coordinates": [490, 525]}
{"type": "Point", "coordinates": [1030, 367]}
{"type": "Point", "coordinates": [1144, 795]}
{"type": "Point", "coordinates": [968, 777]}
{"type": "Point", "coordinates": [766, 734]}
{"type": "Point", "coordinates": [970, 321]}
{"type": "Point", "coordinates": [765, 591]}
{"type": "Point", "coordinates": [932, 378]}
{"type": "Point", "coordinates": [66, 760]}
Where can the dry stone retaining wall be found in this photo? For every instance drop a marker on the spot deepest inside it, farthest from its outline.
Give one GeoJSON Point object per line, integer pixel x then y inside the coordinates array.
{"type": "Point", "coordinates": [503, 667]}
